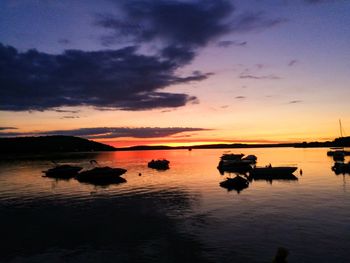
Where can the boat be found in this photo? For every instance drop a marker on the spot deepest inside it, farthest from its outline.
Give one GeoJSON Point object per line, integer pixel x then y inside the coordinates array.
{"type": "Point", "coordinates": [102, 175]}
{"type": "Point", "coordinates": [161, 164]}
{"type": "Point", "coordinates": [240, 166]}
{"type": "Point", "coordinates": [338, 153]}
{"type": "Point", "coordinates": [62, 171]}
{"type": "Point", "coordinates": [237, 183]}
{"type": "Point", "coordinates": [235, 163]}
{"type": "Point", "coordinates": [277, 172]}
{"type": "Point", "coordinates": [341, 168]}
{"type": "Point", "coordinates": [231, 156]}
{"type": "Point", "coordinates": [251, 158]}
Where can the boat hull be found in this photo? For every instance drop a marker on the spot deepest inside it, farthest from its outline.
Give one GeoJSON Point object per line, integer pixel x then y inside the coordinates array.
{"type": "Point", "coordinates": [62, 172]}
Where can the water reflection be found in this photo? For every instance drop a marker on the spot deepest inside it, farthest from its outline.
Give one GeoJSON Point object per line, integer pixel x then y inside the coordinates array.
{"type": "Point", "coordinates": [276, 177]}
{"type": "Point", "coordinates": [341, 168]}
{"type": "Point", "coordinates": [126, 229]}
{"type": "Point", "coordinates": [237, 183]}
{"type": "Point", "coordinates": [181, 214]}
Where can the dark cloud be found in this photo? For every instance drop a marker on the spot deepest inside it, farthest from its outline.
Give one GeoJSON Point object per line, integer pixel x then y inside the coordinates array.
{"type": "Point", "coordinates": [255, 21]}
{"type": "Point", "coordinates": [240, 97]}
{"type": "Point", "coordinates": [179, 23]}
{"type": "Point", "coordinates": [173, 22]}
{"type": "Point", "coordinates": [65, 111]}
{"type": "Point", "coordinates": [110, 132]}
{"type": "Point", "coordinates": [320, 1]}
{"type": "Point", "coordinates": [294, 101]}
{"type": "Point", "coordinates": [8, 128]}
{"type": "Point", "coordinates": [124, 79]}
{"type": "Point", "coordinates": [228, 43]}
{"type": "Point", "coordinates": [249, 76]}
{"type": "Point", "coordinates": [64, 41]}
{"type": "Point", "coordinates": [292, 62]}
{"type": "Point", "coordinates": [108, 79]}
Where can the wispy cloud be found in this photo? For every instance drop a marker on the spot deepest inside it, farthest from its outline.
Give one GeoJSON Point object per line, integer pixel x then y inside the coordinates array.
{"type": "Point", "coordinates": [64, 41]}
{"type": "Point", "coordinates": [294, 101]}
{"type": "Point", "coordinates": [66, 111]}
{"type": "Point", "coordinates": [70, 117]}
{"type": "Point", "coordinates": [262, 77]}
{"type": "Point", "coordinates": [228, 43]}
{"type": "Point", "coordinates": [320, 1]}
{"type": "Point", "coordinates": [8, 128]}
{"type": "Point", "coordinates": [292, 62]}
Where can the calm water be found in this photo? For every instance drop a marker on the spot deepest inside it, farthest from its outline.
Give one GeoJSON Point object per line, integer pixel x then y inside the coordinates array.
{"type": "Point", "coordinates": [178, 215]}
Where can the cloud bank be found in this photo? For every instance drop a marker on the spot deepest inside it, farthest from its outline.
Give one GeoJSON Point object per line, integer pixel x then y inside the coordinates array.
{"type": "Point", "coordinates": [125, 78]}
{"type": "Point", "coordinates": [109, 132]}
{"type": "Point", "coordinates": [114, 79]}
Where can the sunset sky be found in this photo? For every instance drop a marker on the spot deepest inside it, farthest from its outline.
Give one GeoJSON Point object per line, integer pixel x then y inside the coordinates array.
{"type": "Point", "coordinates": [175, 72]}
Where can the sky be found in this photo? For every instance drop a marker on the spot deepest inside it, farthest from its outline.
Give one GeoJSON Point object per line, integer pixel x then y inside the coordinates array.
{"type": "Point", "coordinates": [175, 72]}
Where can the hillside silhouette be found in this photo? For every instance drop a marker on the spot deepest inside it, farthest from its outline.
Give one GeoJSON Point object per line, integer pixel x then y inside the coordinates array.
{"type": "Point", "coordinates": [44, 144]}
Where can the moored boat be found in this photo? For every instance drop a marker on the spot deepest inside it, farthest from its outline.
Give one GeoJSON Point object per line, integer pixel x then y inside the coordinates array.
{"type": "Point", "coordinates": [276, 171]}
{"type": "Point", "coordinates": [232, 156]}
{"type": "Point", "coordinates": [102, 175]}
{"type": "Point", "coordinates": [64, 171]}
{"type": "Point", "coordinates": [235, 163]}
{"type": "Point", "coordinates": [241, 166]}
{"type": "Point", "coordinates": [159, 164]}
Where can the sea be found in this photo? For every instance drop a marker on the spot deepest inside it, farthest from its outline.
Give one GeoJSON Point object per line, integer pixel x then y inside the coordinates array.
{"type": "Point", "coordinates": [178, 215]}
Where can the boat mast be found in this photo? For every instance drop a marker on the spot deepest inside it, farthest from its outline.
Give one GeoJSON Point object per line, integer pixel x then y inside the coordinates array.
{"type": "Point", "coordinates": [341, 129]}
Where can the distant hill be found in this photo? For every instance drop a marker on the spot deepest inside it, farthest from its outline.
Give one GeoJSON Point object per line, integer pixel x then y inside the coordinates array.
{"type": "Point", "coordinates": [46, 144]}
{"type": "Point", "coordinates": [339, 142]}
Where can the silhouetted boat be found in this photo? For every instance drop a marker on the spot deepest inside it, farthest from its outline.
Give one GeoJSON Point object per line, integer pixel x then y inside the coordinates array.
{"type": "Point", "coordinates": [341, 168]}
{"type": "Point", "coordinates": [159, 164]}
{"type": "Point", "coordinates": [240, 166]}
{"type": "Point", "coordinates": [62, 171]}
{"type": "Point", "coordinates": [235, 163]}
{"type": "Point", "coordinates": [238, 183]}
{"type": "Point", "coordinates": [338, 155]}
{"type": "Point", "coordinates": [231, 156]}
{"type": "Point", "coordinates": [102, 175]}
{"type": "Point", "coordinates": [251, 158]}
{"type": "Point", "coordinates": [279, 172]}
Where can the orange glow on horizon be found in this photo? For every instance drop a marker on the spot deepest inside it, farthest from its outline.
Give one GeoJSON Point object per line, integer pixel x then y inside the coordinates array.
{"type": "Point", "coordinates": [185, 142]}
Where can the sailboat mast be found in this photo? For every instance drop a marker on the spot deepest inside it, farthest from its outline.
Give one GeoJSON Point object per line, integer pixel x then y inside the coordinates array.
{"type": "Point", "coordinates": [341, 129]}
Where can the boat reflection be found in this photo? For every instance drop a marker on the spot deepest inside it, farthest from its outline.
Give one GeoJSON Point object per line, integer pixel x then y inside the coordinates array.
{"type": "Point", "coordinates": [237, 183]}
{"type": "Point", "coordinates": [275, 177]}
{"type": "Point", "coordinates": [341, 168]}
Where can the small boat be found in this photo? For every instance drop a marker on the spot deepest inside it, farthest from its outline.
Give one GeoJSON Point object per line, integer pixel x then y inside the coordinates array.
{"type": "Point", "coordinates": [339, 155]}
{"type": "Point", "coordinates": [235, 163]}
{"type": "Point", "coordinates": [237, 183]}
{"type": "Point", "coordinates": [102, 175]}
{"type": "Point", "coordinates": [241, 166]}
{"type": "Point", "coordinates": [250, 158]}
{"type": "Point", "coordinates": [62, 171]}
{"type": "Point", "coordinates": [231, 156]}
{"type": "Point", "coordinates": [341, 168]}
{"type": "Point", "coordinates": [277, 172]}
{"type": "Point", "coordinates": [159, 164]}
